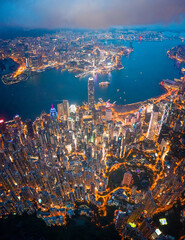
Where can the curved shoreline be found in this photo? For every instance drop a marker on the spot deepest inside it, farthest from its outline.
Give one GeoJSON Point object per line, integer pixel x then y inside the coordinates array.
{"type": "Point", "coordinates": [125, 108]}
{"type": "Point", "coordinates": [174, 55]}
{"type": "Point", "coordinates": [134, 106]}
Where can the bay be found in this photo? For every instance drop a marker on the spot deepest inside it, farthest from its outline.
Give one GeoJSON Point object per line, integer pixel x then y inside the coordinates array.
{"type": "Point", "coordinates": [143, 69]}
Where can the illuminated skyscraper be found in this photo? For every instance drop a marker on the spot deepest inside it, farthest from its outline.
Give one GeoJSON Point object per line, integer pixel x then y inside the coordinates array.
{"type": "Point", "coordinates": [63, 109]}
{"type": "Point", "coordinates": [27, 59]}
{"type": "Point", "coordinates": [60, 110]}
{"type": "Point", "coordinates": [66, 108]}
{"type": "Point", "coordinates": [127, 178]}
{"type": "Point", "coordinates": [91, 94]}
{"type": "Point", "coordinates": [27, 63]}
{"type": "Point", "coordinates": [108, 114]}
{"type": "Point", "coordinates": [29, 128]}
{"type": "Point", "coordinates": [53, 113]}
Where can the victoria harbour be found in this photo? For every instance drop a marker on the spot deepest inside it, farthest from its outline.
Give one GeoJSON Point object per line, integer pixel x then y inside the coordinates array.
{"type": "Point", "coordinates": [92, 120]}
{"type": "Point", "coordinates": [139, 80]}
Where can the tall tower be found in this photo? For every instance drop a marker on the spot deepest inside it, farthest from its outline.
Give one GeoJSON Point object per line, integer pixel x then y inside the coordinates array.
{"type": "Point", "coordinates": [108, 114]}
{"type": "Point", "coordinates": [91, 94]}
{"type": "Point", "coordinates": [127, 178]}
{"type": "Point", "coordinates": [53, 113]}
{"type": "Point", "coordinates": [63, 109]}
{"type": "Point", "coordinates": [27, 59]}
{"type": "Point", "coordinates": [66, 108]}
{"type": "Point", "coordinates": [27, 63]}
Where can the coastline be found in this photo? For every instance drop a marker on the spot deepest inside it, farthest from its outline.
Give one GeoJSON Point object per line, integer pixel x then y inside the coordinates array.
{"type": "Point", "coordinates": [153, 96]}
{"type": "Point", "coordinates": [124, 109]}
{"type": "Point", "coordinates": [173, 53]}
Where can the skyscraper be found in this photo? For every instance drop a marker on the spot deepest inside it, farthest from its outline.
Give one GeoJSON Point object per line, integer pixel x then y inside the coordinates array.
{"type": "Point", "coordinates": [53, 113]}
{"type": "Point", "coordinates": [127, 178]}
{"type": "Point", "coordinates": [60, 110]}
{"type": "Point", "coordinates": [66, 108]}
{"type": "Point", "coordinates": [108, 114]}
{"type": "Point", "coordinates": [63, 109]}
{"type": "Point", "coordinates": [91, 94]}
{"type": "Point", "coordinates": [29, 128]}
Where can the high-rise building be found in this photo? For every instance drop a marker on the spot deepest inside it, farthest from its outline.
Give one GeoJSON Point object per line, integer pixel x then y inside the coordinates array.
{"type": "Point", "coordinates": [108, 114]}
{"type": "Point", "coordinates": [29, 128]}
{"type": "Point", "coordinates": [27, 63]}
{"type": "Point", "coordinates": [66, 108]}
{"type": "Point", "coordinates": [27, 59]}
{"type": "Point", "coordinates": [127, 178]}
{"type": "Point", "coordinates": [152, 125]}
{"type": "Point", "coordinates": [53, 112]}
{"type": "Point", "coordinates": [147, 227]}
{"type": "Point", "coordinates": [91, 94]}
{"type": "Point", "coordinates": [60, 110]}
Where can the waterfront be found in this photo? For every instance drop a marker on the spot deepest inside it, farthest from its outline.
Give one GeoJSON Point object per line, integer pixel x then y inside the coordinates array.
{"type": "Point", "coordinates": [138, 81]}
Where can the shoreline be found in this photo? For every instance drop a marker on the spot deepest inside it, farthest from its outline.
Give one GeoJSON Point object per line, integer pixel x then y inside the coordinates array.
{"type": "Point", "coordinates": [136, 105]}
{"type": "Point", "coordinates": [173, 53]}
{"type": "Point", "coordinates": [120, 108]}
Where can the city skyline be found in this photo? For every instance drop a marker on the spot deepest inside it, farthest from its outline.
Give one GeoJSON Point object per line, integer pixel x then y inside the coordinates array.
{"type": "Point", "coordinates": [92, 119]}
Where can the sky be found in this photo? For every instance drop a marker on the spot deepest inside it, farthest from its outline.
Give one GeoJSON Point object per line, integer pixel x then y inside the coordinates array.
{"type": "Point", "coordinates": [93, 14]}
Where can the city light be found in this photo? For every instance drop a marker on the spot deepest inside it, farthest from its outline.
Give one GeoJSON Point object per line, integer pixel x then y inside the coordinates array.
{"type": "Point", "coordinates": [133, 225]}
{"type": "Point", "coordinates": [119, 164]}
{"type": "Point", "coordinates": [163, 221]}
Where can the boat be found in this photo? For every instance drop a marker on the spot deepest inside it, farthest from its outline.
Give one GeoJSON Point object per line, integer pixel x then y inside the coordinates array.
{"type": "Point", "coordinates": [40, 70]}
{"type": "Point", "coordinates": [104, 84]}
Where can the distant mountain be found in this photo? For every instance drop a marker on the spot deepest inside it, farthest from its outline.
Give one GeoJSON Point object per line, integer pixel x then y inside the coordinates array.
{"type": "Point", "coordinates": [178, 52]}
{"type": "Point", "coordinates": [7, 66]}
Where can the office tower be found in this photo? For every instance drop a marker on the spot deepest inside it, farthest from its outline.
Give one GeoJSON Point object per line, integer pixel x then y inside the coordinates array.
{"type": "Point", "coordinates": [149, 204]}
{"type": "Point", "coordinates": [121, 219]}
{"type": "Point", "coordinates": [108, 114]}
{"type": "Point", "coordinates": [27, 63]}
{"type": "Point", "coordinates": [72, 110]}
{"type": "Point", "coordinates": [66, 108]}
{"type": "Point", "coordinates": [147, 227]}
{"type": "Point", "coordinates": [127, 178]}
{"type": "Point", "coordinates": [152, 125]}
{"type": "Point", "coordinates": [27, 59]}
{"type": "Point", "coordinates": [136, 213]}
{"type": "Point", "coordinates": [91, 94]}
{"type": "Point", "coordinates": [53, 113]}
{"type": "Point", "coordinates": [71, 124]}
{"type": "Point", "coordinates": [60, 110]}
{"type": "Point", "coordinates": [29, 128]}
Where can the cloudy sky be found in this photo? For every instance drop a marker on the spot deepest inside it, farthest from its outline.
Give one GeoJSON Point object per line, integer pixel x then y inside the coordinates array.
{"type": "Point", "coordinates": [90, 13]}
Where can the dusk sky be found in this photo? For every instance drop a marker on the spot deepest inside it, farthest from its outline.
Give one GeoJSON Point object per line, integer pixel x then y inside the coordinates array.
{"type": "Point", "coordinates": [90, 13]}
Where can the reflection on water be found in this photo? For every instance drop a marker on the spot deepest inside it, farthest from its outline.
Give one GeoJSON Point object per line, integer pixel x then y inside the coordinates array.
{"type": "Point", "coordinates": [139, 79]}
